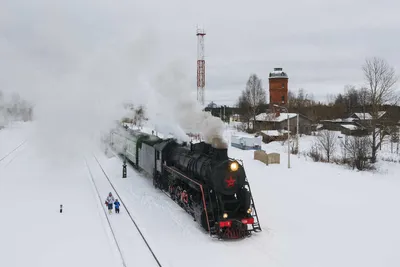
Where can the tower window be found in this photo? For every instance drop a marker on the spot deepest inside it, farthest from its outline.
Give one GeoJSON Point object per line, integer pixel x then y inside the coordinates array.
{"type": "Point", "coordinates": [283, 99]}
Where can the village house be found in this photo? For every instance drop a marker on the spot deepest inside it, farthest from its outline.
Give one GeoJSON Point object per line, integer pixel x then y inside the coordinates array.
{"type": "Point", "coordinates": [279, 121]}
{"type": "Point", "coordinates": [356, 124]}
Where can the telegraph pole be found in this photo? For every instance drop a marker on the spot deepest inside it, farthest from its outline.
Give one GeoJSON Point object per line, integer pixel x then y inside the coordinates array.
{"type": "Point", "coordinates": [124, 163]}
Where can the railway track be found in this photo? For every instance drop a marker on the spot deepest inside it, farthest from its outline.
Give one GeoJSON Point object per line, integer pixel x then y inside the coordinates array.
{"type": "Point", "coordinates": [110, 224]}
{"type": "Point", "coordinates": [11, 155]}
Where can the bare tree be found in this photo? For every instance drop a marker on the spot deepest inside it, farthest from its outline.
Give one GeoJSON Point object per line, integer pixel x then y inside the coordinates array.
{"type": "Point", "coordinates": [244, 108]}
{"type": "Point", "coordinates": [359, 150]}
{"type": "Point", "coordinates": [381, 79]}
{"type": "Point", "coordinates": [255, 96]}
{"type": "Point", "coordinates": [300, 101]}
{"type": "Point", "coordinates": [327, 141]}
{"type": "Point", "coordinates": [394, 138]}
{"type": "Point", "coordinates": [314, 153]}
{"type": "Point", "coordinates": [363, 97]}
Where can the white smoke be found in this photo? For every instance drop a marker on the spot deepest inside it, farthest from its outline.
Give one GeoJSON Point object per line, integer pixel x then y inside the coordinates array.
{"type": "Point", "coordinates": [175, 104]}
{"type": "Point", "coordinates": [78, 80]}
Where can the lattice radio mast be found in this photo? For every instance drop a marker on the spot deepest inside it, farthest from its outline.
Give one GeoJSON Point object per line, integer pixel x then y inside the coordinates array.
{"type": "Point", "coordinates": [201, 66]}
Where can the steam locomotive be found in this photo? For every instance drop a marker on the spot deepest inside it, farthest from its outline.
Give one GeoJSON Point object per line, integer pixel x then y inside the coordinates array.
{"type": "Point", "coordinates": [199, 177]}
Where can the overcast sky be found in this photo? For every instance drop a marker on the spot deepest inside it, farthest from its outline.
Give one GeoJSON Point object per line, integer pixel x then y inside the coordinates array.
{"type": "Point", "coordinates": [321, 44]}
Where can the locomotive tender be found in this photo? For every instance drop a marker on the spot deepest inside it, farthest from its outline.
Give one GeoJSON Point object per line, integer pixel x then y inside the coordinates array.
{"type": "Point", "coordinates": [202, 179]}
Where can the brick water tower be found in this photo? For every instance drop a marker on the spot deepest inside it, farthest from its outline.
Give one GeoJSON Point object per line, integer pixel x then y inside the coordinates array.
{"type": "Point", "coordinates": [278, 88]}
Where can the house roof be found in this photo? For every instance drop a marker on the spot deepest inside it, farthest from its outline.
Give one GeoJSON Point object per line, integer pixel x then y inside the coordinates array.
{"type": "Point", "coordinates": [271, 117]}
{"type": "Point", "coordinates": [367, 116]}
{"type": "Point", "coordinates": [350, 127]}
{"type": "Point", "coordinates": [274, 132]}
{"type": "Point", "coordinates": [278, 73]}
{"type": "Point", "coordinates": [363, 116]}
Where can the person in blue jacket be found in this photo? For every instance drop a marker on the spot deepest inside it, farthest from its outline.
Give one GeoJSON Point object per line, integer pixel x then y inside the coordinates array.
{"type": "Point", "coordinates": [117, 204]}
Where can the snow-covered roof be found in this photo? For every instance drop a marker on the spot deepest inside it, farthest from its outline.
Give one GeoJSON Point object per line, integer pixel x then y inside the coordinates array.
{"type": "Point", "coordinates": [363, 116]}
{"type": "Point", "coordinates": [272, 117]}
{"type": "Point", "coordinates": [348, 119]}
{"type": "Point", "coordinates": [368, 116]}
{"type": "Point", "coordinates": [381, 113]}
{"type": "Point", "coordinates": [271, 132]}
{"type": "Point", "coordinates": [278, 73]}
{"type": "Point", "coordinates": [349, 126]}
{"type": "Point", "coordinates": [334, 120]}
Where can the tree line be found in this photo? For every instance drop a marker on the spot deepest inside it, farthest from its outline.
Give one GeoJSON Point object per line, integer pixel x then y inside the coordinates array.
{"type": "Point", "coordinates": [378, 94]}
{"type": "Point", "coordinates": [14, 109]}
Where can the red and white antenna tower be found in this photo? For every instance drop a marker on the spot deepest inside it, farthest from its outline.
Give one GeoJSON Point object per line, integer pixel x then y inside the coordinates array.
{"type": "Point", "coordinates": [201, 66]}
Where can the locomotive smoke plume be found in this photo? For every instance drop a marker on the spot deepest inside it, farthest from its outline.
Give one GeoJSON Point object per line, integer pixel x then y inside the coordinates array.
{"type": "Point", "coordinates": [174, 90]}
{"type": "Point", "coordinates": [76, 68]}
{"type": "Point", "coordinates": [79, 69]}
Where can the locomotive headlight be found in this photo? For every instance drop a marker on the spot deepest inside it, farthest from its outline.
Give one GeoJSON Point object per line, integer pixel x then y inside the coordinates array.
{"type": "Point", "coordinates": [234, 166]}
{"type": "Point", "coordinates": [249, 211]}
{"type": "Point", "coordinates": [225, 215]}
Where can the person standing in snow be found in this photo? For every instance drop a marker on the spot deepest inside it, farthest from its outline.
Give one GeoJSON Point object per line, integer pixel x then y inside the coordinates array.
{"type": "Point", "coordinates": [109, 202]}
{"type": "Point", "coordinates": [117, 204]}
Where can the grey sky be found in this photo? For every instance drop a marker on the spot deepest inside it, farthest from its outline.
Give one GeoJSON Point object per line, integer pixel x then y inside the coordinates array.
{"type": "Point", "coordinates": [320, 44]}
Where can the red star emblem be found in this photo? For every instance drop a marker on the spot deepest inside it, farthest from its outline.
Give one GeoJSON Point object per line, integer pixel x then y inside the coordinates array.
{"type": "Point", "coordinates": [230, 182]}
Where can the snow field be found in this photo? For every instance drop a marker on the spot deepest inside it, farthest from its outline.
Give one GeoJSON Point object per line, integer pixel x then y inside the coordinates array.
{"type": "Point", "coordinates": [323, 214]}
{"type": "Point", "coordinates": [129, 242]}
{"type": "Point", "coordinates": [33, 231]}
{"type": "Point", "coordinates": [11, 137]}
{"type": "Point", "coordinates": [313, 214]}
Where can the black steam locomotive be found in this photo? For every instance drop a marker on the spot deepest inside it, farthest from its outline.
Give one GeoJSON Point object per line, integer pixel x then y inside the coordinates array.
{"type": "Point", "coordinates": [202, 179]}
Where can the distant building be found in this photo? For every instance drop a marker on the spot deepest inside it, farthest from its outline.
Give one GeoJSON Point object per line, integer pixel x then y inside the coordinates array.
{"type": "Point", "coordinates": [278, 88]}
{"type": "Point", "coordinates": [274, 121]}
{"type": "Point", "coordinates": [358, 124]}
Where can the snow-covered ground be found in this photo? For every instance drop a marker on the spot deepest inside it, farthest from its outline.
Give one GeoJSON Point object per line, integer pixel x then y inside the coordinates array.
{"type": "Point", "coordinates": [313, 214]}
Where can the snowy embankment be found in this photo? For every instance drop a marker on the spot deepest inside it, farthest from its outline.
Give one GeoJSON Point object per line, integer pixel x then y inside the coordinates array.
{"type": "Point", "coordinates": [33, 231]}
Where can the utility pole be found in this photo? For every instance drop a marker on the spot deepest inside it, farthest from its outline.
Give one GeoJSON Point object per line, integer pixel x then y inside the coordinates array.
{"type": "Point", "coordinates": [297, 138]}
{"type": "Point", "coordinates": [288, 143]}
{"type": "Point", "coordinates": [288, 131]}
{"type": "Point", "coordinates": [124, 163]}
